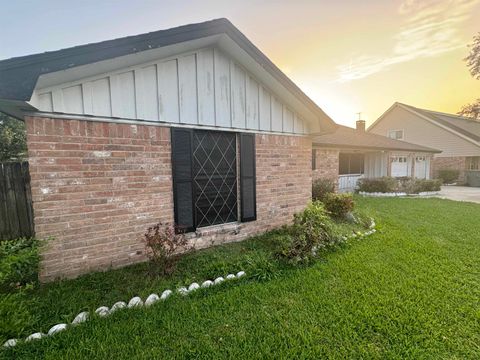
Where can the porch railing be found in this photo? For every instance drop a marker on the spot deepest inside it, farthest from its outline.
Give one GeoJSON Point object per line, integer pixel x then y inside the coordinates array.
{"type": "Point", "coordinates": [348, 182]}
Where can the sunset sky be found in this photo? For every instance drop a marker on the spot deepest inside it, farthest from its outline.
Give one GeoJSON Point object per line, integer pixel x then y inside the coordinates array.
{"type": "Point", "coordinates": [348, 56]}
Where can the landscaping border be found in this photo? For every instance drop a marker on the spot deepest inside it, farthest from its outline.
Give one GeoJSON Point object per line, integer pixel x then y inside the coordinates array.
{"type": "Point", "coordinates": [399, 194]}
{"type": "Point", "coordinates": [134, 302]}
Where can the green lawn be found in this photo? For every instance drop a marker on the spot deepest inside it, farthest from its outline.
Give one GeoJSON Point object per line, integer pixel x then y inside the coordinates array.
{"type": "Point", "coordinates": [412, 290]}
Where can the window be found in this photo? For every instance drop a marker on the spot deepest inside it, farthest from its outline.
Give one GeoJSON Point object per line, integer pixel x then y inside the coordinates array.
{"type": "Point", "coordinates": [473, 163]}
{"type": "Point", "coordinates": [399, 159]}
{"type": "Point", "coordinates": [351, 164]}
{"type": "Point", "coordinates": [420, 158]}
{"type": "Point", "coordinates": [314, 159]}
{"type": "Point", "coordinates": [395, 134]}
{"type": "Point", "coordinates": [204, 165]}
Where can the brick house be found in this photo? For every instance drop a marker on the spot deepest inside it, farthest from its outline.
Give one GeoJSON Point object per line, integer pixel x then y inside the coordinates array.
{"type": "Point", "coordinates": [346, 155]}
{"type": "Point", "coordinates": [192, 125]}
{"type": "Point", "coordinates": [456, 136]}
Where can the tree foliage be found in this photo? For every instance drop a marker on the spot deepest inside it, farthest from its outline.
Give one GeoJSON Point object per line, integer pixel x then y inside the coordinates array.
{"type": "Point", "coordinates": [473, 59]}
{"type": "Point", "coordinates": [473, 63]}
{"type": "Point", "coordinates": [13, 144]}
{"type": "Point", "coordinates": [471, 110]}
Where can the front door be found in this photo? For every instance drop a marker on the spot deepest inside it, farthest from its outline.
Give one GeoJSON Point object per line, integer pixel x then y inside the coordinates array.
{"type": "Point", "coordinates": [399, 166]}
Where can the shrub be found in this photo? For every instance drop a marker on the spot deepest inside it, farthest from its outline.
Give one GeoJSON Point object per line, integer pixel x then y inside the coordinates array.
{"type": "Point", "coordinates": [164, 242]}
{"type": "Point", "coordinates": [15, 314]}
{"type": "Point", "coordinates": [384, 185]}
{"type": "Point", "coordinates": [415, 186]}
{"type": "Point", "coordinates": [322, 187]}
{"type": "Point", "coordinates": [339, 205]}
{"type": "Point", "coordinates": [312, 229]}
{"type": "Point", "coordinates": [19, 259]}
{"type": "Point", "coordinates": [448, 176]}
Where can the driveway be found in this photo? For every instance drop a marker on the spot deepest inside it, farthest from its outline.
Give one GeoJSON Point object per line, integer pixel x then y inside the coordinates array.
{"type": "Point", "coordinates": [460, 193]}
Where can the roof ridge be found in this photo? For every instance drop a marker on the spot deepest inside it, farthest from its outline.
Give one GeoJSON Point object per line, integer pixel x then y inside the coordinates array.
{"type": "Point", "coordinates": [441, 113]}
{"type": "Point", "coordinates": [19, 61]}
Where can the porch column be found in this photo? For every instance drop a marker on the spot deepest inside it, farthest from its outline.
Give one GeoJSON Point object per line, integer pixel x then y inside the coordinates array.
{"type": "Point", "coordinates": [389, 164]}
{"type": "Point", "coordinates": [412, 165]}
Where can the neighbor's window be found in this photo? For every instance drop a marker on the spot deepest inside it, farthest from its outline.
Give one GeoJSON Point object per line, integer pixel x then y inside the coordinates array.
{"type": "Point", "coordinates": [395, 134]}
{"type": "Point", "coordinates": [473, 163]}
{"type": "Point", "coordinates": [399, 159]}
{"type": "Point", "coordinates": [314, 159]}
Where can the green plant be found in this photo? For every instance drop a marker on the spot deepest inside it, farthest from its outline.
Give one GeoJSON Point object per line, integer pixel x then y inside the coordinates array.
{"type": "Point", "coordinates": [13, 138]}
{"type": "Point", "coordinates": [261, 267]}
{"type": "Point", "coordinates": [384, 185]}
{"type": "Point", "coordinates": [415, 186]}
{"type": "Point", "coordinates": [321, 187]}
{"type": "Point", "coordinates": [15, 314]}
{"type": "Point", "coordinates": [164, 242]}
{"type": "Point", "coordinates": [19, 259]}
{"type": "Point", "coordinates": [312, 229]}
{"type": "Point", "coordinates": [339, 205]}
{"type": "Point", "coordinates": [448, 176]}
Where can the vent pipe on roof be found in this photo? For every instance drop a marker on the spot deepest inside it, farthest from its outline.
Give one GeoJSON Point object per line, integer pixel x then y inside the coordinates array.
{"type": "Point", "coordinates": [361, 125]}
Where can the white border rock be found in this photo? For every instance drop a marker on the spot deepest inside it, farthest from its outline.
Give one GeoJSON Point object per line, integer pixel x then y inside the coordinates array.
{"type": "Point", "coordinates": [193, 286]}
{"type": "Point", "coordinates": [134, 302]}
{"type": "Point", "coordinates": [398, 194]}
{"type": "Point", "coordinates": [56, 329]}
{"type": "Point", "coordinates": [80, 318]}
{"type": "Point", "coordinates": [118, 305]}
{"type": "Point", "coordinates": [151, 299]}
{"type": "Point", "coordinates": [35, 336]}
{"type": "Point", "coordinates": [102, 311]}
{"type": "Point", "coordinates": [166, 294]}
{"type": "Point", "coordinates": [10, 342]}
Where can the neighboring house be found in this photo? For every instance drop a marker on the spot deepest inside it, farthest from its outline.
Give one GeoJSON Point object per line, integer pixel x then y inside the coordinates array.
{"type": "Point", "coordinates": [456, 136]}
{"type": "Point", "coordinates": [346, 155]}
{"type": "Point", "coordinates": [192, 125]}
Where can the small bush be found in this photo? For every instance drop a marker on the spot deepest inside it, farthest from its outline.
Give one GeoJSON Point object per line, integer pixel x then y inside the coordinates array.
{"type": "Point", "coordinates": [322, 187]}
{"type": "Point", "coordinates": [448, 176]}
{"type": "Point", "coordinates": [415, 186]}
{"type": "Point", "coordinates": [339, 205]}
{"type": "Point", "coordinates": [164, 242]}
{"type": "Point", "coordinates": [384, 185]}
{"type": "Point", "coordinates": [15, 315]}
{"type": "Point", "coordinates": [19, 259]}
{"type": "Point", "coordinates": [312, 229]}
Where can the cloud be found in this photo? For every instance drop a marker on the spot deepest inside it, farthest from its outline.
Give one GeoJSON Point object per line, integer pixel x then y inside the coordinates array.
{"type": "Point", "coordinates": [430, 28]}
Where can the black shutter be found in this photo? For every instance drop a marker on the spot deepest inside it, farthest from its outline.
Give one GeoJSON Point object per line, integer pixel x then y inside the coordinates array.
{"type": "Point", "coordinates": [182, 179]}
{"type": "Point", "coordinates": [247, 178]}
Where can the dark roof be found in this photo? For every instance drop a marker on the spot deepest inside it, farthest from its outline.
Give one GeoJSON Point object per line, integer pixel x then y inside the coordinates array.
{"type": "Point", "coordinates": [348, 138]}
{"type": "Point", "coordinates": [19, 75]}
{"type": "Point", "coordinates": [468, 127]}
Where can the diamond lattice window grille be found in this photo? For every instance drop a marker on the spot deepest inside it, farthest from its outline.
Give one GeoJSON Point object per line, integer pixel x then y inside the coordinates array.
{"type": "Point", "coordinates": [215, 177]}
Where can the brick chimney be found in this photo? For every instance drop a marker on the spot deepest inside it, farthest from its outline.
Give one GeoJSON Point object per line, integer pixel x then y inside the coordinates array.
{"type": "Point", "coordinates": [361, 125]}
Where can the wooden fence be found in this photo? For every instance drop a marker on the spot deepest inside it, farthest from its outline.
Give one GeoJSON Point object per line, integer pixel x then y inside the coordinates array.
{"type": "Point", "coordinates": [16, 214]}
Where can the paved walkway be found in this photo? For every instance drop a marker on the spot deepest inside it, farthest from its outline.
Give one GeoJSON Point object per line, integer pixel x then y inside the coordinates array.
{"type": "Point", "coordinates": [460, 193]}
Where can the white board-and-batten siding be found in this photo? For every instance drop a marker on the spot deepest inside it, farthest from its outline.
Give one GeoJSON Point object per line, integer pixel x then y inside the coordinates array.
{"type": "Point", "coordinates": [201, 88]}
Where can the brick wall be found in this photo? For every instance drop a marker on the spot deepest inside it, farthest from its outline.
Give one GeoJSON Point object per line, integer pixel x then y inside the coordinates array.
{"type": "Point", "coordinates": [454, 162]}
{"type": "Point", "coordinates": [97, 186]}
{"type": "Point", "coordinates": [327, 164]}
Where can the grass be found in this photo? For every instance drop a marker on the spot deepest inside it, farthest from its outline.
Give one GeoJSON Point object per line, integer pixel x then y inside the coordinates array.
{"type": "Point", "coordinates": [412, 290]}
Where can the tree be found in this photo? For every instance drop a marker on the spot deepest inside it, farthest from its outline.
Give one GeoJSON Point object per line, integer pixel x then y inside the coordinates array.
{"type": "Point", "coordinates": [471, 110]}
{"type": "Point", "coordinates": [13, 144]}
{"type": "Point", "coordinates": [473, 63]}
{"type": "Point", "coordinates": [473, 59]}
